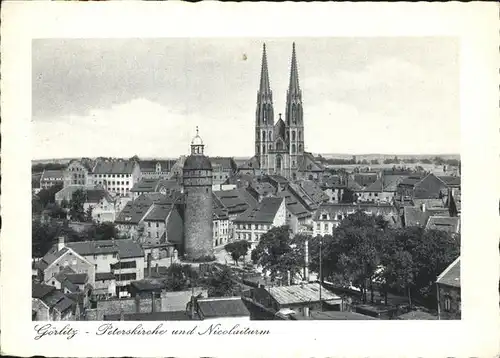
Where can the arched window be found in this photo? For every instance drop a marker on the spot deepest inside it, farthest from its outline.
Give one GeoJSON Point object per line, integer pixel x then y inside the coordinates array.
{"type": "Point", "coordinates": [294, 113]}
{"type": "Point", "coordinates": [300, 147]}
{"type": "Point", "coordinates": [270, 135]}
{"type": "Point", "coordinates": [264, 149]}
{"type": "Point", "coordinates": [263, 135]}
{"type": "Point", "coordinates": [270, 147]}
{"type": "Point", "coordinates": [293, 135]}
{"type": "Point", "coordinates": [279, 145]}
{"type": "Point", "coordinates": [278, 162]}
{"type": "Point", "coordinates": [258, 135]}
{"type": "Point", "coordinates": [257, 149]}
{"type": "Point", "coordinates": [293, 148]}
{"type": "Point", "coordinates": [300, 135]}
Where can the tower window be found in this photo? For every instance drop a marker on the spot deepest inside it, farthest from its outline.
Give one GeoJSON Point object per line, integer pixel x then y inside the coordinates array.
{"type": "Point", "coordinates": [263, 136]}
{"type": "Point", "coordinates": [293, 148]}
{"type": "Point", "coordinates": [270, 135]}
{"type": "Point", "coordinates": [264, 149]}
{"type": "Point", "coordinates": [300, 135]}
{"type": "Point", "coordinates": [270, 147]}
{"type": "Point", "coordinates": [293, 135]}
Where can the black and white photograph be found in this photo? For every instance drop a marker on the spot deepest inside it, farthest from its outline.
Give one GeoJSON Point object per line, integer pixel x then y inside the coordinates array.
{"type": "Point", "coordinates": [247, 179]}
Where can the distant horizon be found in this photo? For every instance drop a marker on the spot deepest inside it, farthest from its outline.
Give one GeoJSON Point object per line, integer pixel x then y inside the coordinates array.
{"type": "Point", "coordinates": [326, 155]}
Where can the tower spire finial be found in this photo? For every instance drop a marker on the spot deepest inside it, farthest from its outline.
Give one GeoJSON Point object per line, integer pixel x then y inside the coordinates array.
{"type": "Point", "coordinates": [197, 132]}
{"type": "Point", "coordinates": [294, 73]}
{"type": "Point", "coordinates": [265, 87]}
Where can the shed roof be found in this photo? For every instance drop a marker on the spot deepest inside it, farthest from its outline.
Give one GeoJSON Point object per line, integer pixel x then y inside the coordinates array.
{"type": "Point", "coordinates": [222, 307]}
{"type": "Point", "coordinates": [288, 295]}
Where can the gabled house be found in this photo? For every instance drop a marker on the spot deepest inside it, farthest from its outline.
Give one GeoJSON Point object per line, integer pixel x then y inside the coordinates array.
{"type": "Point", "coordinates": [222, 309]}
{"type": "Point", "coordinates": [298, 215]}
{"type": "Point", "coordinates": [130, 219]}
{"type": "Point", "coordinates": [152, 185]}
{"type": "Point", "coordinates": [254, 222]}
{"type": "Point", "coordinates": [430, 187]}
{"type": "Point", "coordinates": [60, 258]}
{"type": "Point", "coordinates": [449, 292]}
{"type": "Point", "coordinates": [78, 172]}
{"type": "Point", "coordinates": [50, 304]}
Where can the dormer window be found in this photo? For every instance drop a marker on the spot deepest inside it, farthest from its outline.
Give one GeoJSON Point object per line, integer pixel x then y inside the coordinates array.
{"type": "Point", "coordinates": [324, 216]}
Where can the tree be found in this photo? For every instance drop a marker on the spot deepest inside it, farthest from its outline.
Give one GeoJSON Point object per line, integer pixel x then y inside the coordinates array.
{"type": "Point", "coordinates": [278, 253]}
{"type": "Point", "coordinates": [135, 158]}
{"type": "Point", "coordinates": [55, 211]}
{"type": "Point", "coordinates": [47, 196]}
{"type": "Point", "coordinates": [348, 196]}
{"type": "Point", "coordinates": [180, 277]}
{"type": "Point", "coordinates": [374, 161]}
{"type": "Point", "coordinates": [76, 210]}
{"type": "Point", "coordinates": [88, 214]}
{"type": "Point", "coordinates": [237, 249]}
{"type": "Point", "coordinates": [222, 284]}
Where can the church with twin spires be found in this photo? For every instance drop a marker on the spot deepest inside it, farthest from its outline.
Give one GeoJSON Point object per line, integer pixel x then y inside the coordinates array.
{"type": "Point", "coordinates": [280, 145]}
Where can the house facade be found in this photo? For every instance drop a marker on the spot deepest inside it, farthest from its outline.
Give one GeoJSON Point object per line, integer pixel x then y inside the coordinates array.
{"type": "Point", "coordinates": [51, 178]}
{"type": "Point", "coordinates": [77, 173]}
{"type": "Point", "coordinates": [253, 223]}
{"type": "Point", "coordinates": [118, 177]}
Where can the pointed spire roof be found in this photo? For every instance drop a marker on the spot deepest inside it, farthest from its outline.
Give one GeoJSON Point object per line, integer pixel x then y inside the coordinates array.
{"type": "Point", "coordinates": [264, 74]}
{"type": "Point", "coordinates": [294, 74]}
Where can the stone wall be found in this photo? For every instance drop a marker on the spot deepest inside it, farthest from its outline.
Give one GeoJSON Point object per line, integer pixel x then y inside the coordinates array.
{"type": "Point", "coordinates": [198, 239]}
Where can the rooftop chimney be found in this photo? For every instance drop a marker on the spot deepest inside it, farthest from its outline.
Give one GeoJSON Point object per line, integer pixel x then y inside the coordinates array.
{"type": "Point", "coordinates": [60, 244]}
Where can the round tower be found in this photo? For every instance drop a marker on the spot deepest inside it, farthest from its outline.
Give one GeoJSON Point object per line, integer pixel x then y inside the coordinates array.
{"type": "Point", "coordinates": [197, 182]}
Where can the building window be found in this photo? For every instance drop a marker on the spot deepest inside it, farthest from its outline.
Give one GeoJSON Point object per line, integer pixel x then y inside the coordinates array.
{"type": "Point", "coordinates": [318, 226]}
{"type": "Point", "coordinates": [447, 303]}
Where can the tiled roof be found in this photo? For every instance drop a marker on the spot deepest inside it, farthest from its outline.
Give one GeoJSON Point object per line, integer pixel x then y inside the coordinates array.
{"type": "Point", "coordinates": [52, 175]}
{"type": "Point", "coordinates": [278, 179]}
{"type": "Point", "coordinates": [222, 307]}
{"type": "Point", "coordinates": [150, 316]}
{"type": "Point", "coordinates": [411, 180]}
{"type": "Point", "coordinates": [287, 295]}
{"type": "Point", "coordinates": [429, 187]}
{"type": "Point", "coordinates": [51, 297]}
{"type": "Point", "coordinates": [263, 188]}
{"type": "Point", "coordinates": [159, 213]}
{"type": "Point", "coordinates": [145, 185]}
{"type": "Point", "coordinates": [148, 285]}
{"type": "Point", "coordinates": [114, 167]}
{"type": "Point", "coordinates": [252, 163]}
{"type": "Point", "coordinates": [301, 194]}
{"type": "Point", "coordinates": [451, 275]}
{"type": "Point", "coordinates": [365, 179]}
{"type": "Point", "coordinates": [293, 205]}
{"type": "Point", "coordinates": [391, 182]}
{"type": "Point", "coordinates": [126, 248]}
{"type": "Point", "coordinates": [227, 163]}
{"type": "Point", "coordinates": [95, 195]}
{"type": "Point", "coordinates": [353, 185]}
{"type": "Point", "coordinates": [429, 203]}
{"type": "Point", "coordinates": [333, 181]}
{"type": "Point", "coordinates": [77, 278]}
{"type": "Point", "coordinates": [415, 217]}
{"type": "Point", "coordinates": [443, 223]}
{"type": "Point", "coordinates": [148, 166]}
{"type": "Point", "coordinates": [135, 210]}
{"type": "Point", "coordinates": [376, 186]}
{"type": "Point", "coordinates": [236, 200]}
{"type": "Point", "coordinates": [450, 180]}
{"type": "Point", "coordinates": [51, 256]}
{"type": "Point", "coordinates": [104, 276]}
{"type": "Point", "coordinates": [307, 163]}
{"type": "Point", "coordinates": [39, 290]}
{"type": "Point", "coordinates": [313, 190]}
{"type": "Point", "coordinates": [197, 162]}
{"type": "Point", "coordinates": [265, 212]}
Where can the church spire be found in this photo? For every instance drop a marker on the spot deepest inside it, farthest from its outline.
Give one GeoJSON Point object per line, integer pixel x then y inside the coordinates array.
{"type": "Point", "coordinates": [265, 87]}
{"type": "Point", "coordinates": [293, 87]}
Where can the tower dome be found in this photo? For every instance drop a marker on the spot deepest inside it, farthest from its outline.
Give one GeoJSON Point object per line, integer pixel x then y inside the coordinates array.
{"type": "Point", "coordinates": [197, 160]}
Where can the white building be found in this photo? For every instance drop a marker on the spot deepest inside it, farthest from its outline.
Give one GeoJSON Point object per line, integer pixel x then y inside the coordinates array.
{"type": "Point", "coordinates": [253, 223]}
{"type": "Point", "coordinates": [118, 177]}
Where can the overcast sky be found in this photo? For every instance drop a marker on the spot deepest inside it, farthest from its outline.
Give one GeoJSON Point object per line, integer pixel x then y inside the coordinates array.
{"type": "Point", "coordinates": [120, 97]}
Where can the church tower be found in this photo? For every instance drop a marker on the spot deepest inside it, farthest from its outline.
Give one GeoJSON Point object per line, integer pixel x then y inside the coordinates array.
{"type": "Point", "coordinates": [197, 182]}
{"type": "Point", "coordinates": [264, 118]}
{"type": "Point", "coordinates": [294, 119]}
